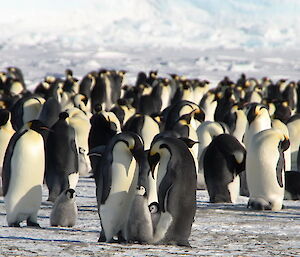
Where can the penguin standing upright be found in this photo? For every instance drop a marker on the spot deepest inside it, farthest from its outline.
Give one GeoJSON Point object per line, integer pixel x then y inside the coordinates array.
{"type": "Point", "coordinates": [23, 173]}
{"type": "Point", "coordinates": [224, 159]}
{"type": "Point", "coordinates": [62, 157]}
{"type": "Point", "coordinates": [265, 167]}
{"type": "Point", "coordinates": [116, 180]}
{"type": "Point", "coordinates": [175, 184]}
{"type": "Point", "coordinates": [139, 225]}
{"type": "Point", "coordinates": [6, 132]}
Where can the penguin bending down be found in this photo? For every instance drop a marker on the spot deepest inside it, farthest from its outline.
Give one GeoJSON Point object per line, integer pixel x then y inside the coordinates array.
{"type": "Point", "coordinates": [23, 173]}
{"type": "Point", "coordinates": [224, 159]}
{"type": "Point", "coordinates": [64, 211]}
{"type": "Point", "coordinates": [62, 157]}
{"type": "Point", "coordinates": [174, 182]}
{"type": "Point", "coordinates": [116, 179]}
{"type": "Point", "coordinates": [265, 167]}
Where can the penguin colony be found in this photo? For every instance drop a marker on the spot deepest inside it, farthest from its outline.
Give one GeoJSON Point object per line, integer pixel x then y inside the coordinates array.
{"type": "Point", "coordinates": [148, 146]}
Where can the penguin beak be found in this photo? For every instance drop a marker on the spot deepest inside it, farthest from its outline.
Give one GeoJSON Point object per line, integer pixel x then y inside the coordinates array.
{"type": "Point", "coordinates": [153, 160]}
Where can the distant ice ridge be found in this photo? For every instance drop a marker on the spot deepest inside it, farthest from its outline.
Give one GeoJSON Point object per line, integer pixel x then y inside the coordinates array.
{"type": "Point", "coordinates": [141, 23]}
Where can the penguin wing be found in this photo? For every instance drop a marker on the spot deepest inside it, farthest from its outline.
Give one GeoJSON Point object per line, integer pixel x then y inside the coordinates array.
{"type": "Point", "coordinates": [6, 171]}
{"type": "Point", "coordinates": [104, 179]}
{"type": "Point", "coordinates": [75, 152]}
{"type": "Point", "coordinates": [279, 168]}
{"type": "Point", "coordinates": [164, 188]}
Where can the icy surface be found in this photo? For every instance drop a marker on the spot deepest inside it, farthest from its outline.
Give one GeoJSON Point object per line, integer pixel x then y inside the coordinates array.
{"type": "Point", "coordinates": [218, 230]}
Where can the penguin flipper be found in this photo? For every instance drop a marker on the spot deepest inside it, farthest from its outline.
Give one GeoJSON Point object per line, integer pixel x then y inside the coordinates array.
{"type": "Point", "coordinates": [279, 168]}
{"type": "Point", "coordinates": [164, 188]}
{"type": "Point", "coordinates": [6, 171]}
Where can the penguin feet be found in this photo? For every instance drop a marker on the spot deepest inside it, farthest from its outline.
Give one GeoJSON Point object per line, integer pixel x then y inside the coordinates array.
{"type": "Point", "coordinates": [14, 225]}
{"type": "Point", "coordinates": [32, 224]}
{"type": "Point", "coordinates": [102, 237]}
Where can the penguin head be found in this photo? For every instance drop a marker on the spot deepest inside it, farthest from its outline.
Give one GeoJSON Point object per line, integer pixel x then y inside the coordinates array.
{"type": "Point", "coordinates": [134, 143]}
{"type": "Point", "coordinates": [64, 116]}
{"type": "Point", "coordinates": [153, 207]}
{"type": "Point", "coordinates": [257, 110]}
{"type": "Point", "coordinates": [37, 126]}
{"type": "Point", "coordinates": [70, 193]}
{"type": "Point", "coordinates": [4, 116]}
{"type": "Point", "coordinates": [141, 190]}
{"type": "Point", "coordinates": [158, 148]}
{"type": "Point", "coordinates": [284, 143]}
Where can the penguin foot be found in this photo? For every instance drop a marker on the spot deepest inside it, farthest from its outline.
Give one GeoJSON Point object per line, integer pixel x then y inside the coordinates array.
{"type": "Point", "coordinates": [32, 224]}
{"type": "Point", "coordinates": [102, 237]}
{"type": "Point", "coordinates": [14, 225]}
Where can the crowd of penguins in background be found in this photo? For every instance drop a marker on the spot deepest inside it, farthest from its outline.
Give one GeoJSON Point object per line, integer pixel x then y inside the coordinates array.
{"type": "Point", "coordinates": [148, 146]}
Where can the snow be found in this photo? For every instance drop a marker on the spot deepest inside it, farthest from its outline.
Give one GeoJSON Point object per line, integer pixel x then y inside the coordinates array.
{"type": "Point", "coordinates": [195, 38]}
{"type": "Point", "coordinates": [218, 230]}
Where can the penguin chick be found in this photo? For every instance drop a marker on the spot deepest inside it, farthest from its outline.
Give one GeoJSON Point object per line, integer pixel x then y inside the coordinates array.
{"type": "Point", "coordinates": [139, 225]}
{"type": "Point", "coordinates": [64, 211]}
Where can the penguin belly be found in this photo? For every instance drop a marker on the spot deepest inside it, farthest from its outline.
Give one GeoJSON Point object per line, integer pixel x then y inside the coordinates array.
{"type": "Point", "coordinates": [114, 213]}
{"type": "Point", "coordinates": [24, 195]}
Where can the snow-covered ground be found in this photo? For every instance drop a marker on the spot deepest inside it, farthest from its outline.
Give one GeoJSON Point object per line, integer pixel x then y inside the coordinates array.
{"type": "Point", "coordinates": [197, 38]}
{"type": "Point", "coordinates": [218, 230]}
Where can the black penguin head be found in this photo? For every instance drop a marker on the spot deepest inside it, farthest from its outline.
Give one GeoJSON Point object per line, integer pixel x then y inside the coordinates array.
{"type": "Point", "coordinates": [70, 193]}
{"type": "Point", "coordinates": [63, 115]}
{"type": "Point", "coordinates": [4, 116]}
{"type": "Point", "coordinates": [284, 144]}
{"type": "Point", "coordinates": [154, 207]}
{"type": "Point", "coordinates": [141, 190]}
{"type": "Point", "coordinates": [254, 111]}
{"type": "Point", "coordinates": [37, 126]}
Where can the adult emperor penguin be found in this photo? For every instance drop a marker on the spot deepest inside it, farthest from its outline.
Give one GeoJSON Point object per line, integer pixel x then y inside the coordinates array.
{"type": "Point", "coordinates": [265, 167]}
{"type": "Point", "coordinates": [62, 157]}
{"type": "Point", "coordinates": [6, 132]}
{"type": "Point", "coordinates": [23, 173]}
{"type": "Point", "coordinates": [64, 211]}
{"type": "Point", "coordinates": [293, 125]}
{"type": "Point", "coordinates": [224, 159]}
{"type": "Point", "coordinates": [174, 182]}
{"type": "Point", "coordinates": [206, 132]}
{"type": "Point", "coordinates": [81, 124]}
{"type": "Point", "coordinates": [116, 180]}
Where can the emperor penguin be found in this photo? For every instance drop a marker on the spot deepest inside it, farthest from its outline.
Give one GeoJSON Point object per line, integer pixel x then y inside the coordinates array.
{"type": "Point", "coordinates": [258, 119]}
{"type": "Point", "coordinates": [139, 225]}
{"type": "Point", "coordinates": [265, 167]}
{"type": "Point", "coordinates": [23, 173]}
{"type": "Point", "coordinates": [81, 124]}
{"type": "Point", "coordinates": [64, 211]}
{"type": "Point", "coordinates": [206, 132]}
{"type": "Point", "coordinates": [174, 182]}
{"type": "Point", "coordinates": [6, 132]}
{"type": "Point", "coordinates": [49, 112]}
{"type": "Point", "coordinates": [224, 159]}
{"type": "Point", "coordinates": [62, 157]}
{"type": "Point", "coordinates": [116, 181]}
